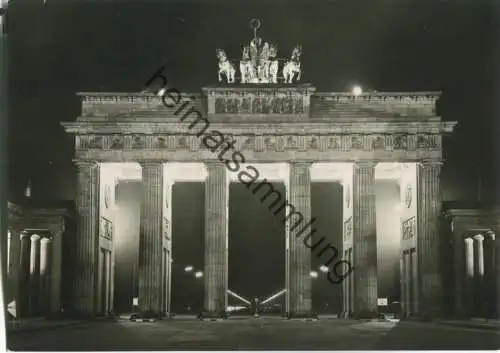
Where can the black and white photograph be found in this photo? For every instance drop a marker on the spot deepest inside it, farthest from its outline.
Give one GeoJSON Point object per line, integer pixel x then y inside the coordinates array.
{"type": "Point", "coordinates": [249, 175]}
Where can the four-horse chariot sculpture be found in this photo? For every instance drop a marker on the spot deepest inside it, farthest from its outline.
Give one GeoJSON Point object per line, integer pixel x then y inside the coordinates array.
{"type": "Point", "coordinates": [259, 62]}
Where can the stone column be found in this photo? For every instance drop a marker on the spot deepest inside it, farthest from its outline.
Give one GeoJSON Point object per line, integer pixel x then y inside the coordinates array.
{"type": "Point", "coordinates": [13, 263]}
{"type": "Point", "coordinates": [428, 243]}
{"type": "Point", "coordinates": [469, 277]}
{"type": "Point", "coordinates": [151, 240]}
{"type": "Point", "coordinates": [55, 274]}
{"type": "Point", "coordinates": [216, 231]}
{"type": "Point", "coordinates": [24, 276]}
{"type": "Point", "coordinates": [6, 256]}
{"type": "Point", "coordinates": [12, 266]}
{"type": "Point", "coordinates": [34, 273]}
{"type": "Point", "coordinates": [45, 269]}
{"type": "Point", "coordinates": [87, 239]}
{"type": "Point", "coordinates": [490, 274]}
{"type": "Point", "coordinates": [479, 276]}
{"type": "Point", "coordinates": [299, 255]}
{"type": "Point", "coordinates": [364, 241]}
{"type": "Point", "coordinates": [459, 257]}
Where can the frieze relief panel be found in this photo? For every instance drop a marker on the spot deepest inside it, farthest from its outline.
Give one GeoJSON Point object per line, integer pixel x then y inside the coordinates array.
{"type": "Point", "coordinates": [117, 142]}
{"type": "Point", "coordinates": [165, 228]}
{"type": "Point", "coordinates": [408, 228]}
{"type": "Point", "coordinates": [348, 229]}
{"type": "Point", "coordinates": [106, 228]}
{"type": "Point", "coordinates": [255, 104]}
{"type": "Point", "coordinates": [261, 143]}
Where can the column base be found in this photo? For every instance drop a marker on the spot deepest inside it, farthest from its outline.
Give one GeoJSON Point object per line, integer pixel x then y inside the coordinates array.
{"type": "Point", "coordinates": [148, 315]}
{"type": "Point", "coordinates": [365, 314]}
{"type": "Point", "coordinates": [78, 315]}
{"type": "Point", "coordinates": [206, 315]}
{"type": "Point", "coordinates": [301, 316]}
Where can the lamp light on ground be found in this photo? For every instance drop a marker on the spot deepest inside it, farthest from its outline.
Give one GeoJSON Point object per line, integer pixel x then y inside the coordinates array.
{"type": "Point", "coordinates": [313, 274]}
{"type": "Point", "coordinates": [198, 274]}
{"type": "Point", "coordinates": [357, 90]}
{"type": "Point", "coordinates": [188, 269]}
{"type": "Point", "coordinates": [323, 268]}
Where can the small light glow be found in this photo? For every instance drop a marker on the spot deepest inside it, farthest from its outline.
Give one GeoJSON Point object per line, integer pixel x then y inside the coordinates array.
{"type": "Point", "coordinates": [313, 274]}
{"type": "Point", "coordinates": [161, 92]}
{"type": "Point", "coordinates": [188, 268]}
{"type": "Point", "coordinates": [323, 268]}
{"type": "Point", "coordinates": [198, 274]}
{"type": "Point", "coordinates": [357, 90]}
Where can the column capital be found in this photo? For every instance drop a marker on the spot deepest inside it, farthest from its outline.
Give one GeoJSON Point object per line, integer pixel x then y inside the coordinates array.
{"type": "Point", "coordinates": [491, 234]}
{"type": "Point", "coordinates": [430, 163]}
{"type": "Point", "coordinates": [150, 162]}
{"type": "Point", "coordinates": [478, 237]}
{"type": "Point", "coordinates": [213, 163]}
{"type": "Point", "coordinates": [365, 164]}
{"type": "Point", "coordinates": [35, 237]}
{"type": "Point", "coordinates": [216, 167]}
{"type": "Point", "coordinates": [300, 163]}
{"type": "Point", "coordinates": [45, 240]}
{"type": "Point", "coordinates": [80, 163]}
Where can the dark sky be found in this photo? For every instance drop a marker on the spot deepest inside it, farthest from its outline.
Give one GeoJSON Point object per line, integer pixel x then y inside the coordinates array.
{"type": "Point", "coordinates": [68, 46]}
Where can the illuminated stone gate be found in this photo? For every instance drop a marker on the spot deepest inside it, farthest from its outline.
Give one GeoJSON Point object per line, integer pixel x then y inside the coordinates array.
{"type": "Point", "coordinates": [354, 139]}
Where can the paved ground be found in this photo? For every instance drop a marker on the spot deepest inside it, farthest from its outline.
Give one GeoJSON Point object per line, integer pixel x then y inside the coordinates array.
{"type": "Point", "coordinates": [247, 334]}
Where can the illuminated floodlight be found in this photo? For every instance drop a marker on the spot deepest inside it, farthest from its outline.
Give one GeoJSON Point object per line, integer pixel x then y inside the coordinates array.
{"type": "Point", "coordinates": [161, 92]}
{"type": "Point", "coordinates": [198, 274]}
{"type": "Point", "coordinates": [313, 274]}
{"type": "Point", "coordinates": [357, 90]}
{"type": "Point", "coordinates": [323, 268]}
{"type": "Point", "coordinates": [188, 268]}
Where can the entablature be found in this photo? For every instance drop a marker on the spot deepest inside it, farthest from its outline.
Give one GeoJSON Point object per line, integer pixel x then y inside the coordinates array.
{"type": "Point", "coordinates": [464, 220]}
{"type": "Point", "coordinates": [157, 126]}
{"type": "Point", "coordinates": [270, 100]}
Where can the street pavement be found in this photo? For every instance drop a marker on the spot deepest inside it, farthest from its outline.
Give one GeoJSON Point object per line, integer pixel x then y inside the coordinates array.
{"type": "Point", "coordinates": [251, 334]}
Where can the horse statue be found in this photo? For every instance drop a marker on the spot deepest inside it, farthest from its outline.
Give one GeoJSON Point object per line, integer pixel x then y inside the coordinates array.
{"type": "Point", "coordinates": [246, 67]}
{"type": "Point", "coordinates": [292, 66]}
{"type": "Point", "coordinates": [273, 64]}
{"type": "Point", "coordinates": [225, 66]}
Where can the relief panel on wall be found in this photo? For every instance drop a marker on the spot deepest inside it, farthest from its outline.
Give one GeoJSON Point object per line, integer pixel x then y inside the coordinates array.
{"type": "Point", "coordinates": [106, 228]}
{"type": "Point", "coordinates": [408, 228]}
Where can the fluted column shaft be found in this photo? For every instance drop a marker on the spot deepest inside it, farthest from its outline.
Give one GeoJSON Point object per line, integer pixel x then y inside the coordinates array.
{"type": "Point", "coordinates": [151, 237]}
{"type": "Point", "coordinates": [56, 255]}
{"type": "Point", "coordinates": [45, 275]}
{"type": "Point", "coordinates": [22, 306]}
{"type": "Point", "coordinates": [87, 238]}
{"type": "Point", "coordinates": [428, 244]}
{"type": "Point", "coordinates": [299, 255]}
{"type": "Point", "coordinates": [216, 242]}
{"type": "Point", "coordinates": [364, 240]}
{"type": "Point", "coordinates": [34, 273]}
{"type": "Point", "coordinates": [13, 265]}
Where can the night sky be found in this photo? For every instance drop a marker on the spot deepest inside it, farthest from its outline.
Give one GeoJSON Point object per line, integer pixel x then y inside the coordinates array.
{"type": "Point", "coordinates": [64, 46]}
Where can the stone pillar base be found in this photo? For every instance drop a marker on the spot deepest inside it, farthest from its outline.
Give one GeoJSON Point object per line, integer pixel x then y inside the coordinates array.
{"type": "Point", "coordinates": [365, 314]}
{"type": "Point", "coordinates": [206, 315]}
{"type": "Point", "coordinates": [301, 316]}
{"type": "Point", "coordinates": [149, 315]}
{"type": "Point", "coordinates": [78, 315]}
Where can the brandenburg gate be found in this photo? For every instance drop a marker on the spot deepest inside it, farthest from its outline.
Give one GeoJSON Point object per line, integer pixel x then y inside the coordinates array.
{"type": "Point", "coordinates": [287, 132]}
